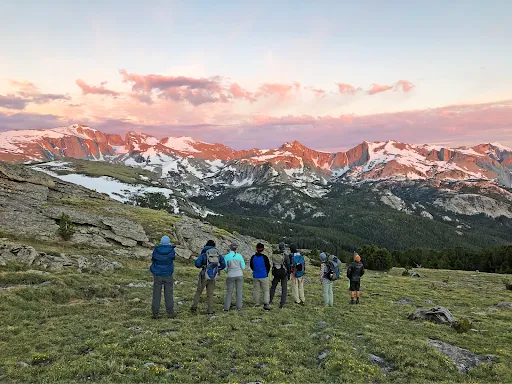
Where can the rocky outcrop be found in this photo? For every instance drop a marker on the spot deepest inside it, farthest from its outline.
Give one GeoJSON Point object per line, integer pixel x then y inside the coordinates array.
{"type": "Point", "coordinates": [31, 205]}
{"type": "Point", "coordinates": [25, 254]}
{"type": "Point", "coordinates": [463, 359]}
{"type": "Point", "coordinates": [192, 235]}
{"type": "Point", "coordinates": [473, 204]}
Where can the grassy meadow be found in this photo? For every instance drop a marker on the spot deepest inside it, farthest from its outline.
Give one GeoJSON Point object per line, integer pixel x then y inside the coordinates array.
{"type": "Point", "coordinates": [97, 328]}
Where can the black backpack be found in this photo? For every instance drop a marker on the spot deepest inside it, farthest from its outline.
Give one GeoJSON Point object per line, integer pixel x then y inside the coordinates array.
{"type": "Point", "coordinates": [279, 265]}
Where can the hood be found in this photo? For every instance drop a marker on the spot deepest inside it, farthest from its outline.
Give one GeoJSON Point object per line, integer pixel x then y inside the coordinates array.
{"type": "Point", "coordinates": [165, 249]}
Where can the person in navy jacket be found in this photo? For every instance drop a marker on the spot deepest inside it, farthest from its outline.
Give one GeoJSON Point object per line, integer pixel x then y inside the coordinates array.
{"type": "Point", "coordinates": [162, 268]}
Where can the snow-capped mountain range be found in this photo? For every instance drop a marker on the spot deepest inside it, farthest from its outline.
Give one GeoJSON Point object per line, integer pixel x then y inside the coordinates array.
{"type": "Point", "coordinates": [199, 168]}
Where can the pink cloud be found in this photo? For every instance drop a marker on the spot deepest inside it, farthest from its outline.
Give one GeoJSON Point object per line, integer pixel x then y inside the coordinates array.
{"type": "Point", "coordinates": [90, 89]}
{"type": "Point", "coordinates": [178, 88]}
{"type": "Point", "coordinates": [238, 92]}
{"type": "Point", "coordinates": [141, 97]}
{"type": "Point", "coordinates": [317, 91]}
{"type": "Point", "coordinates": [12, 102]}
{"type": "Point", "coordinates": [401, 85]}
{"type": "Point", "coordinates": [377, 88]}
{"type": "Point", "coordinates": [347, 89]}
{"type": "Point", "coordinates": [276, 89]}
{"type": "Point", "coordinates": [405, 85]}
{"type": "Point", "coordinates": [31, 94]}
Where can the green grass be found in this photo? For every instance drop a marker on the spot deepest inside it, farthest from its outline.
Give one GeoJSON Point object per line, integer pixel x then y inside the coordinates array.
{"type": "Point", "coordinates": [93, 327]}
{"type": "Point", "coordinates": [120, 172]}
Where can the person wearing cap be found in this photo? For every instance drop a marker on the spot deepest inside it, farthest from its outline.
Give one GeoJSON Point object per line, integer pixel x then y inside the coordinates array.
{"type": "Point", "coordinates": [235, 265]}
{"type": "Point", "coordinates": [354, 273]}
{"type": "Point", "coordinates": [260, 266]}
{"type": "Point", "coordinates": [162, 268]}
{"type": "Point", "coordinates": [280, 273]}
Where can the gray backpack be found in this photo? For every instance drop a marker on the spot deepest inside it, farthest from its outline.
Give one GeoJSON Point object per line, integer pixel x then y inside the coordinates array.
{"type": "Point", "coordinates": [212, 264]}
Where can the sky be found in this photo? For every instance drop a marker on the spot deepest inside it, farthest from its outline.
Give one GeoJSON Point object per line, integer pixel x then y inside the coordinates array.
{"type": "Point", "coordinates": [330, 74]}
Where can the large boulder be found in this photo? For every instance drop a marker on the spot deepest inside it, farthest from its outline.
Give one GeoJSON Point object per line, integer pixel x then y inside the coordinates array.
{"type": "Point", "coordinates": [439, 315]}
{"type": "Point", "coordinates": [463, 359]}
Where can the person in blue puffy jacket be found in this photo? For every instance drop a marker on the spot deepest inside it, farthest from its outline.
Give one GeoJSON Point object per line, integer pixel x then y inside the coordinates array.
{"type": "Point", "coordinates": [162, 268]}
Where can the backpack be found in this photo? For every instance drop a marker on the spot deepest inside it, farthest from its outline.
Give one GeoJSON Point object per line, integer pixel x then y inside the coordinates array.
{"type": "Point", "coordinates": [299, 265]}
{"type": "Point", "coordinates": [330, 273]}
{"type": "Point", "coordinates": [278, 266]}
{"type": "Point", "coordinates": [333, 268]}
{"type": "Point", "coordinates": [212, 264]}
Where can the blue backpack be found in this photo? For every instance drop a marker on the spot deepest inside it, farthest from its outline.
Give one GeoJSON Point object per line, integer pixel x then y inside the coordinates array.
{"type": "Point", "coordinates": [298, 265]}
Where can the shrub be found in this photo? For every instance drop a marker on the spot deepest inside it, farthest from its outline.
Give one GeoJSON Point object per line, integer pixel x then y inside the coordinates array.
{"type": "Point", "coordinates": [462, 326]}
{"type": "Point", "coordinates": [405, 272]}
{"type": "Point", "coordinates": [66, 227]}
{"type": "Point", "coordinates": [508, 285]}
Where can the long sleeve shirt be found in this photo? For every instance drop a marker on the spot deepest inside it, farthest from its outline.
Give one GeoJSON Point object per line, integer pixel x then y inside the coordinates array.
{"type": "Point", "coordinates": [235, 264]}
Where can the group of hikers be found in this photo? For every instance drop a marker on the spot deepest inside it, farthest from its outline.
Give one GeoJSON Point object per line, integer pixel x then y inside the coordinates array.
{"type": "Point", "coordinates": [282, 267]}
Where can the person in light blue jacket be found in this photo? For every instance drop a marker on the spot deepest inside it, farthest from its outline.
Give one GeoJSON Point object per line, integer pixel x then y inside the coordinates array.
{"type": "Point", "coordinates": [162, 268]}
{"type": "Point", "coordinates": [235, 264]}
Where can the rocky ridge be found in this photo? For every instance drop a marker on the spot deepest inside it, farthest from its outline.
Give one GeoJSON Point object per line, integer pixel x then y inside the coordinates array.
{"type": "Point", "coordinates": [31, 205]}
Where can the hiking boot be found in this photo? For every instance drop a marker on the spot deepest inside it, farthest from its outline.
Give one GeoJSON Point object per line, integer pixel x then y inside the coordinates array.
{"type": "Point", "coordinates": [172, 315]}
{"type": "Point", "coordinates": [351, 301]}
{"type": "Point", "coordinates": [357, 301]}
{"type": "Point", "coordinates": [303, 303]}
{"type": "Point", "coordinates": [266, 307]}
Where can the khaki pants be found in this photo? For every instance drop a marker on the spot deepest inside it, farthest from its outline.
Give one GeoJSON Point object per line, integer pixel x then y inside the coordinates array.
{"type": "Point", "coordinates": [210, 287]}
{"type": "Point", "coordinates": [298, 289]}
{"type": "Point", "coordinates": [260, 285]}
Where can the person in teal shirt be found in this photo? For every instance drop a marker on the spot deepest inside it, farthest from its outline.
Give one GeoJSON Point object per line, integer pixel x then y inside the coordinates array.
{"type": "Point", "coordinates": [235, 264]}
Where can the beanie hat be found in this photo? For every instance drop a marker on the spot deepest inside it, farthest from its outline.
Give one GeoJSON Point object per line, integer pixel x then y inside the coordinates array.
{"type": "Point", "coordinates": [357, 258]}
{"type": "Point", "coordinates": [210, 243]}
{"type": "Point", "coordinates": [293, 248]}
{"type": "Point", "coordinates": [323, 256]}
{"type": "Point", "coordinates": [165, 240]}
{"type": "Point", "coordinates": [234, 245]}
{"type": "Point", "coordinates": [260, 247]}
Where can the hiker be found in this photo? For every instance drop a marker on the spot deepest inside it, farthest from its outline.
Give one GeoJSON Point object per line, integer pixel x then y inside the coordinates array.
{"type": "Point", "coordinates": [260, 266]}
{"type": "Point", "coordinates": [235, 265]}
{"type": "Point", "coordinates": [298, 270]}
{"type": "Point", "coordinates": [280, 273]}
{"type": "Point", "coordinates": [329, 272]}
{"type": "Point", "coordinates": [211, 263]}
{"type": "Point", "coordinates": [354, 273]}
{"type": "Point", "coordinates": [162, 268]}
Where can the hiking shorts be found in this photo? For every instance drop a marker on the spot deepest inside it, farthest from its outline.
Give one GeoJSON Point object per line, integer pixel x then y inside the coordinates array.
{"type": "Point", "coordinates": [355, 285]}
